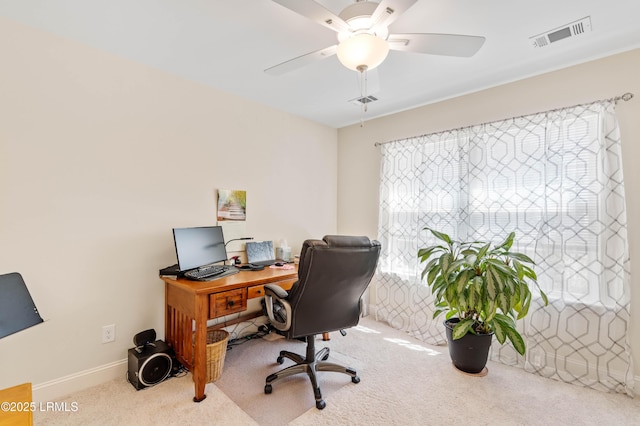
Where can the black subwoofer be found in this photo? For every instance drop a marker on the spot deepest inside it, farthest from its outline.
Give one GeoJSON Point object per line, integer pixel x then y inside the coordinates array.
{"type": "Point", "coordinates": [150, 364]}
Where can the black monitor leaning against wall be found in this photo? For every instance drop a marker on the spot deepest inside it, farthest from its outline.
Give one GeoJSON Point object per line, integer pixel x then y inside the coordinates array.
{"type": "Point", "coordinates": [17, 310]}
{"type": "Point", "coordinates": [196, 247]}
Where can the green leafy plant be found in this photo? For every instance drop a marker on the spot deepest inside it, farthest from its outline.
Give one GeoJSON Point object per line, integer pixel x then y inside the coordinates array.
{"type": "Point", "coordinates": [486, 287]}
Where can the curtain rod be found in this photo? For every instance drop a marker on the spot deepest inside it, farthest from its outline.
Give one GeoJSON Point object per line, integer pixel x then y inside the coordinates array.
{"type": "Point", "coordinates": [626, 97]}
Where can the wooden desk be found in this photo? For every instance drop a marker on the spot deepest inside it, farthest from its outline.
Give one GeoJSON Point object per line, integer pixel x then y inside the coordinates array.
{"type": "Point", "coordinates": [189, 304]}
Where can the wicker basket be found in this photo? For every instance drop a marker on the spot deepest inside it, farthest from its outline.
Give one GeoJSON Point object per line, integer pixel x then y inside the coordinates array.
{"type": "Point", "coordinates": [216, 351]}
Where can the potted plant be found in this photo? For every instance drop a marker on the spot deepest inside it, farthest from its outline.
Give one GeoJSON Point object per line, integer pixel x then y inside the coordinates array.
{"type": "Point", "coordinates": [483, 290]}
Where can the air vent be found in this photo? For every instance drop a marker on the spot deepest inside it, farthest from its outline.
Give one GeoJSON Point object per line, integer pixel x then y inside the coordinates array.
{"type": "Point", "coordinates": [573, 29]}
{"type": "Point", "coordinates": [363, 100]}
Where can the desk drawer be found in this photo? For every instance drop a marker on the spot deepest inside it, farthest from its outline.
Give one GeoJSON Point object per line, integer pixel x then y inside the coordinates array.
{"type": "Point", "coordinates": [258, 290]}
{"type": "Point", "coordinates": [228, 302]}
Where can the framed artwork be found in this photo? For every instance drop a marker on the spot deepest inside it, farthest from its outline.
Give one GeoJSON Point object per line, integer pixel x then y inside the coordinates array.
{"type": "Point", "coordinates": [232, 205]}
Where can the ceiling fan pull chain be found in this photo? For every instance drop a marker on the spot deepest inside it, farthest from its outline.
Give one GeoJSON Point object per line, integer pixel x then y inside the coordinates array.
{"type": "Point", "coordinates": [363, 92]}
{"type": "Point", "coordinates": [366, 102]}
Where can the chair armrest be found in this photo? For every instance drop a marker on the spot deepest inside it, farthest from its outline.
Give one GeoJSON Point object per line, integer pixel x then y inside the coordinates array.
{"type": "Point", "coordinates": [275, 290]}
{"type": "Point", "coordinates": [278, 308]}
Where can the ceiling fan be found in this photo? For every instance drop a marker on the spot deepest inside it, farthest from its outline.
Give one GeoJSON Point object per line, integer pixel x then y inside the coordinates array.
{"type": "Point", "coordinates": [363, 35]}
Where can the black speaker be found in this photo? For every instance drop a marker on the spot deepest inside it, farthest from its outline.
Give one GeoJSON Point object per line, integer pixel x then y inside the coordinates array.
{"type": "Point", "coordinates": [150, 364]}
{"type": "Point", "coordinates": [144, 337]}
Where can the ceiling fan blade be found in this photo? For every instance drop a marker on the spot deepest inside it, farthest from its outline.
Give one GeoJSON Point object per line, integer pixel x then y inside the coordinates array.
{"type": "Point", "coordinates": [316, 12]}
{"type": "Point", "coordinates": [301, 61]}
{"type": "Point", "coordinates": [389, 10]}
{"type": "Point", "coordinates": [437, 44]}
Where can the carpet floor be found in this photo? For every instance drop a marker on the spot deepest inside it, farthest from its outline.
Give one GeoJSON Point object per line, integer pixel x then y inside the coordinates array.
{"type": "Point", "coordinates": [403, 382]}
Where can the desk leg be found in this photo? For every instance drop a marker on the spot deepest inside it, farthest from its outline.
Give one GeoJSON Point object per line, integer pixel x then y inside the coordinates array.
{"type": "Point", "coordinates": [200, 354]}
{"type": "Point", "coordinates": [168, 318]}
{"type": "Point", "coordinates": [325, 336]}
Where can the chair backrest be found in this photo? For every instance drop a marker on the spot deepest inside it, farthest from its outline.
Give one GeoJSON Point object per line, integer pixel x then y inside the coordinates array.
{"type": "Point", "coordinates": [333, 274]}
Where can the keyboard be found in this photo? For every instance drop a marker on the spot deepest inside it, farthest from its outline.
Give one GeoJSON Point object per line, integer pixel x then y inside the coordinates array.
{"type": "Point", "coordinates": [210, 272]}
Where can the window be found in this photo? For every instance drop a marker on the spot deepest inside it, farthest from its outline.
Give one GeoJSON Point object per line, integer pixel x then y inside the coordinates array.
{"type": "Point", "coordinates": [556, 180]}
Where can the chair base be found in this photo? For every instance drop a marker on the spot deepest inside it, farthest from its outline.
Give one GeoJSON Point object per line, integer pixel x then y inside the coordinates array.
{"type": "Point", "coordinates": [313, 363]}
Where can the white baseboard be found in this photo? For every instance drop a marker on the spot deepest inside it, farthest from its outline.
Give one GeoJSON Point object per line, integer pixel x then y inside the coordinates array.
{"type": "Point", "coordinates": [57, 388]}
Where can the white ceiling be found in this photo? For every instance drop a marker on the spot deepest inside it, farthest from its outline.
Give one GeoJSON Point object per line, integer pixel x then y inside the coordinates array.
{"type": "Point", "coordinates": [227, 45]}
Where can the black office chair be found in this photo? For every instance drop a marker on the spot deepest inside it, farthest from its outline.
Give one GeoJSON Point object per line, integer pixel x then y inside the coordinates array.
{"type": "Point", "coordinates": [332, 277]}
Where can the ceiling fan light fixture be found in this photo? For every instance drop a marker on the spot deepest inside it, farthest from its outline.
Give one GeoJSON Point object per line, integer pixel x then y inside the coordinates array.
{"type": "Point", "coordinates": [362, 51]}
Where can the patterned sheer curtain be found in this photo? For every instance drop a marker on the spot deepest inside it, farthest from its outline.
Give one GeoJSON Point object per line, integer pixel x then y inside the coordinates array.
{"type": "Point", "coordinates": [554, 178]}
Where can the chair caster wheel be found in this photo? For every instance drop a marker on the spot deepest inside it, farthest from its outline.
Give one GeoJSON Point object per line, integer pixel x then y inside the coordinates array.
{"type": "Point", "coordinates": [326, 357]}
{"type": "Point", "coordinates": [268, 389]}
{"type": "Point", "coordinates": [320, 404]}
{"type": "Point", "coordinates": [280, 360]}
{"type": "Point", "coordinates": [355, 379]}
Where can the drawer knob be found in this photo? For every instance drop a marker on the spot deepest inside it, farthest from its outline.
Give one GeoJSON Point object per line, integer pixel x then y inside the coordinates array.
{"type": "Point", "coordinates": [230, 303]}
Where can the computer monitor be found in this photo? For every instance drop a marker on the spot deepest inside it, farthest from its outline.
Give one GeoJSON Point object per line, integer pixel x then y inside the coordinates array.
{"type": "Point", "coordinates": [196, 247]}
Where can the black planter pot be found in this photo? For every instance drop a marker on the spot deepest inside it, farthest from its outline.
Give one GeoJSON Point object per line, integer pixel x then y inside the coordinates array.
{"type": "Point", "coordinates": [470, 352]}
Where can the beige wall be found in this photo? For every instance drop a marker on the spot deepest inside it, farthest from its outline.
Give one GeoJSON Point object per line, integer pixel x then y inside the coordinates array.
{"type": "Point", "coordinates": [359, 161]}
{"type": "Point", "coordinates": [99, 158]}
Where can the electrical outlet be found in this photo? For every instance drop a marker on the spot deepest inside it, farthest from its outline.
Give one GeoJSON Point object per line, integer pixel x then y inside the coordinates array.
{"type": "Point", "coordinates": [108, 333]}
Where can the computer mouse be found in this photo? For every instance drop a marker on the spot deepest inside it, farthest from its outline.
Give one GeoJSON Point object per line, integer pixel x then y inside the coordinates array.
{"type": "Point", "coordinates": [279, 264]}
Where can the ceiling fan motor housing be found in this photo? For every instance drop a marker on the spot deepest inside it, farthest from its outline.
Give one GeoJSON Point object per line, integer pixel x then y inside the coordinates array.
{"type": "Point", "coordinates": [358, 17]}
{"type": "Point", "coordinates": [360, 10]}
